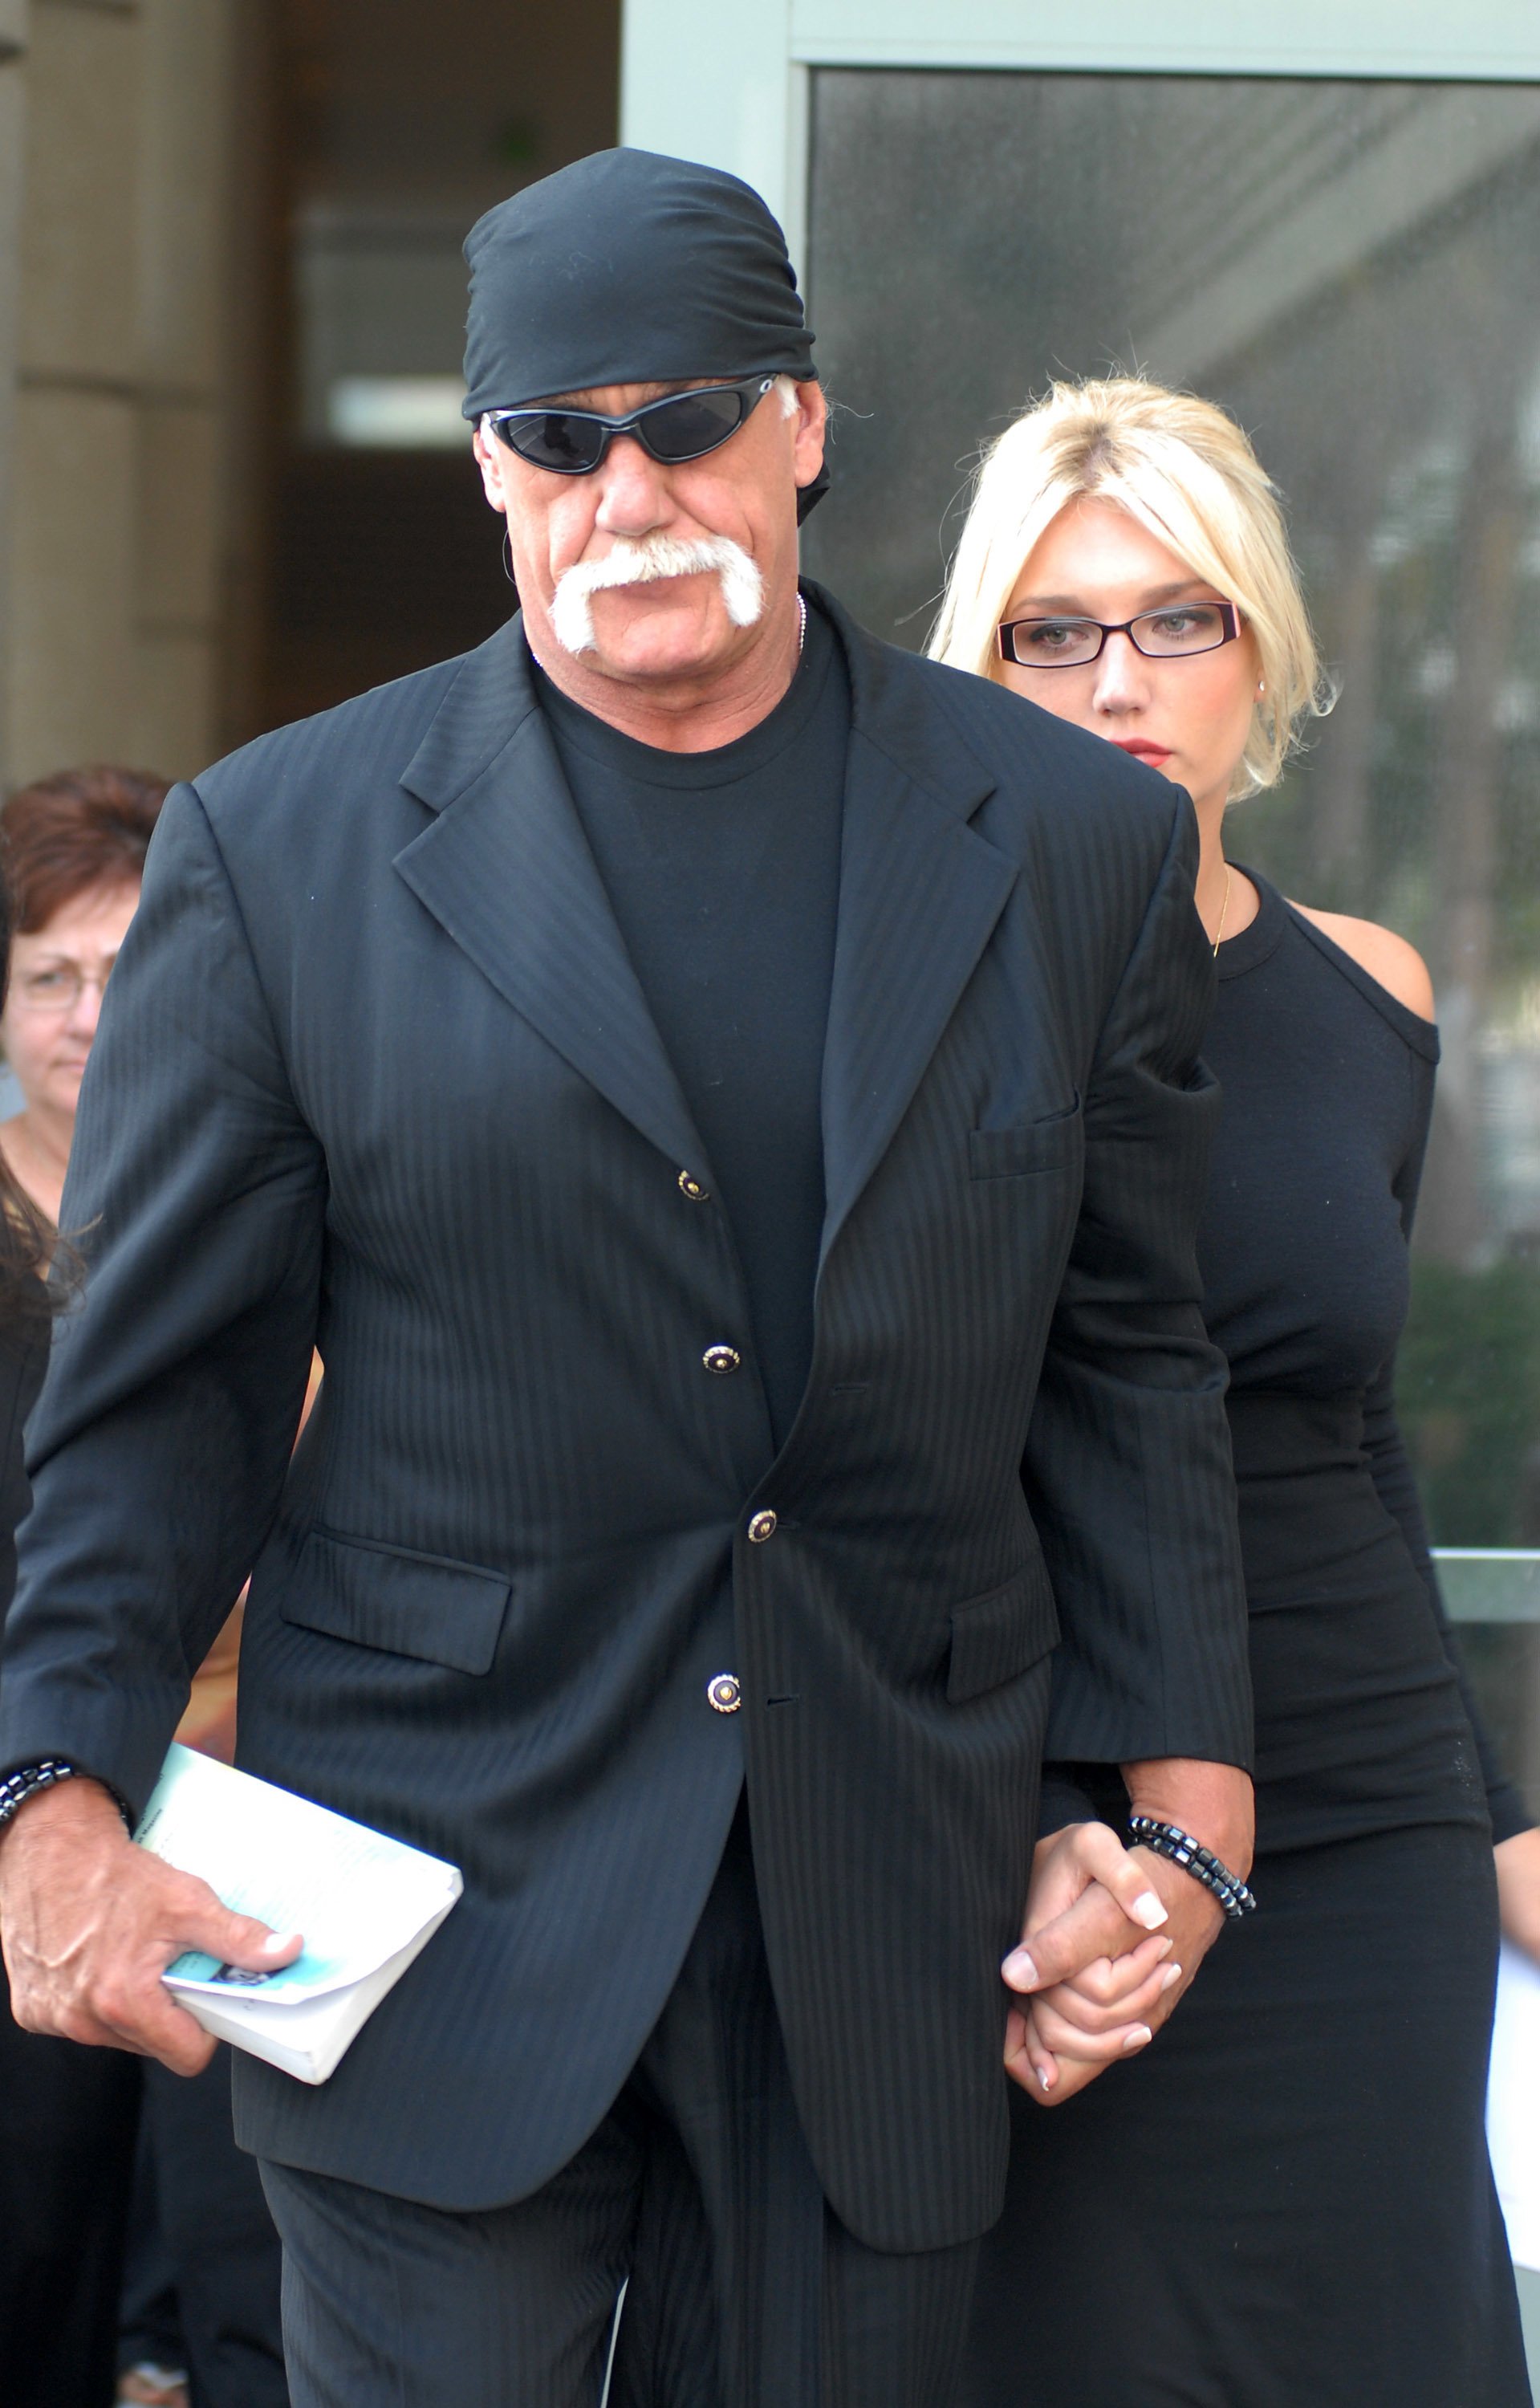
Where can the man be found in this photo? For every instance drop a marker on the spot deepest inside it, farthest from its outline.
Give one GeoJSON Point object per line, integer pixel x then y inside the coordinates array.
{"type": "Point", "coordinates": [719, 1093]}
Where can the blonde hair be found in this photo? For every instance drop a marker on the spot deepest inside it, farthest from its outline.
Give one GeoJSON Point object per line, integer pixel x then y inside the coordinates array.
{"type": "Point", "coordinates": [1186, 472]}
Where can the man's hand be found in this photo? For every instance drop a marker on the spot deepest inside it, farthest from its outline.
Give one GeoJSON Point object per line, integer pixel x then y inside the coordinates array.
{"type": "Point", "coordinates": [91, 1922]}
{"type": "Point", "coordinates": [1215, 1802]}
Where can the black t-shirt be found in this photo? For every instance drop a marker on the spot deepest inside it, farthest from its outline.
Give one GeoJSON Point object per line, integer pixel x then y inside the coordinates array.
{"type": "Point", "coordinates": [722, 869]}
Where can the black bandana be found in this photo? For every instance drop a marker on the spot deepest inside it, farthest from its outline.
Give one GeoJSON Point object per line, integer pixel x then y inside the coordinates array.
{"type": "Point", "coordinates": [629, 268]}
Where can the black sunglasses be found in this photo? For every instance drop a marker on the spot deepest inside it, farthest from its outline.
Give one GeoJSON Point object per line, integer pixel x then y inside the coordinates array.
{"type": "Point", "coordinates": [681, 427]}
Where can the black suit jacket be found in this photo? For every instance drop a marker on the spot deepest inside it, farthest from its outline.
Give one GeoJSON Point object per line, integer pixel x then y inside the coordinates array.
{"type": "Point", "coordinates": [376, 1073]}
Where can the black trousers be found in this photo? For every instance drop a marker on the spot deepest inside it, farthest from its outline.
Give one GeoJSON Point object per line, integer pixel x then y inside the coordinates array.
{"type": "Point", "coordinates": [201, 2284]}
{"type": "Point", "coordinates": [745, 2291]}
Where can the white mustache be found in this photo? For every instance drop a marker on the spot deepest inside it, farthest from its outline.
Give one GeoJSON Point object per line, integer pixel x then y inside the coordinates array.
{"type": "Point", "coordinates": [645, 562]}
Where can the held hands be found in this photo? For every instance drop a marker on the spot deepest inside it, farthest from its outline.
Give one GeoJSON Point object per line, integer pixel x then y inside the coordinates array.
{"type": "Point", "coordinates": [1114, 1937]}
{"type": "Point", "coordinates": [91, 1922]}
{"type": "Point", "coordinates": [1128, 1931]}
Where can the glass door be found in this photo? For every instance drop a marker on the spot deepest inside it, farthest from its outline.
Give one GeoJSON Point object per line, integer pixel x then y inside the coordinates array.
{"type": "Point", "coordinates": [1352, 267]}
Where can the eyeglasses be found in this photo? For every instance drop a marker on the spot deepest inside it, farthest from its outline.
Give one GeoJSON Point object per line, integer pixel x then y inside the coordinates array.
{"type": "Point", "coordinates": [681, 427]}
{"type": "Point", "coordinates": [1174, 634]}
{"type": "Point", "coordinates": [56, 989]}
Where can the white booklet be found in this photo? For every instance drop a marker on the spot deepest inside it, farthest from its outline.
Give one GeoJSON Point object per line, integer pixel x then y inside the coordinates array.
{"type": "Point", "coordinates": [366, 1905]}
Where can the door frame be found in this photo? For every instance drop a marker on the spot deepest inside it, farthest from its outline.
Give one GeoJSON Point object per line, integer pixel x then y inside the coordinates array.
{"type": "Point", "coordinates": [730, 84]}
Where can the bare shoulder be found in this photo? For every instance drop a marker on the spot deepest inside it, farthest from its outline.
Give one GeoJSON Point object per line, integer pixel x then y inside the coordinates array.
{"type": "Point", "coordinates": [1390, 960]}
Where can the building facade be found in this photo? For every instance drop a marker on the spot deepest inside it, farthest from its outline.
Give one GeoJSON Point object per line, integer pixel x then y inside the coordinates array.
{"type": "Point", "coordinates": [224, 224]}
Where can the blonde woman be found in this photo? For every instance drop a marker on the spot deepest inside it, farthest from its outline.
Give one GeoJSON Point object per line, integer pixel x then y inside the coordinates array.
{"type": "Point", "coordinates": [1287, 2199]}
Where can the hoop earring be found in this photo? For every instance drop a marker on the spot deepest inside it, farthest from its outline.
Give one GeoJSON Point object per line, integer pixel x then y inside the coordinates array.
{"type": "Point", "coordinates": [507, 561]}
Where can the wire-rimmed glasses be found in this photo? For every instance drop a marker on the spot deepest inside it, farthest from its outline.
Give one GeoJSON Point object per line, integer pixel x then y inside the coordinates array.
{"type": "Point", "coordinates": [55, 986]}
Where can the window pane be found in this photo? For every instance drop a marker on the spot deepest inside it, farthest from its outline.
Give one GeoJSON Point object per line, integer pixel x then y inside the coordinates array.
{"type": "Point", "coordinates": [1354, 269]}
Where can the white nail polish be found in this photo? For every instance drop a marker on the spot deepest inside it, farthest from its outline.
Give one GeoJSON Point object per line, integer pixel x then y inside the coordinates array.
{"type": "Point", "coordinates": [1147, 1909]}
{"type": "Point", "coordinates": [1172, 1973]}
{"type": "Point", "coordinates": [1043, 2077]}
{"type": "Point", "coordinates": [1139, 2037]}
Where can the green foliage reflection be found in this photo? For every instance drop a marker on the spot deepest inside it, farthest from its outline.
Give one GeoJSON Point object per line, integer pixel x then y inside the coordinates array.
{"type": "Point", "coordinates": [1468, 1390]}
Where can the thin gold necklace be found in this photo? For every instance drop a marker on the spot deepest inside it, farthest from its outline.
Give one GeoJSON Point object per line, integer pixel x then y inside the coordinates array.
{"type": "Point", "coordinates": [1223, 908]}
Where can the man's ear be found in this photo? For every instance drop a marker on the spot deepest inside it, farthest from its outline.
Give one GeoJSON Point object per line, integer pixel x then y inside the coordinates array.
{"type": "Point", "coordinates": [811, 422]}
{"type": "Point", "coordinates": [490, 462]}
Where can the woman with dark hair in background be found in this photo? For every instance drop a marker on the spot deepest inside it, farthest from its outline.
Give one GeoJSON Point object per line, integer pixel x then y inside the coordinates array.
{"type": "Point", "coordinates": [201, 2311]}
{"type": "Point", "coordinates": [72, 849]}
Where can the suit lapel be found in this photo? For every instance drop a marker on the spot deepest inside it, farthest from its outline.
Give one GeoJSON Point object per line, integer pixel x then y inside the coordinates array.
{"type": "Point", "coordinates": [505, 870]}
{"type": "Point", "coordinates": [920, 892]}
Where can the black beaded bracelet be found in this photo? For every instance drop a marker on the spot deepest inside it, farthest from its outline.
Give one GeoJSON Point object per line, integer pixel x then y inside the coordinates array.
{"type": "Point", "coordinates": [26, 1783]}
{"type": "Point", "coordinates": [1181, 1848]}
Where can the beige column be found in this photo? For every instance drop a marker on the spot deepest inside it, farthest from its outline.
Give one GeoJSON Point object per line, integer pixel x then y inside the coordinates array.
{"type": "Point", "coordinates": [182, 338]}
{"type": "Point", "coordinates": [13, 29]}
{"type": "Point", "coordinates": [118, 539]}
{"type": "Point", "coordinates": [71, 655]}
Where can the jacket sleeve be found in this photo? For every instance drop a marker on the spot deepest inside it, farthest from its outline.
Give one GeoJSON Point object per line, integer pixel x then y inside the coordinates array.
{"type": "Point", "coordinates": [1128, 1468]}
{"type": "Point", "coordinates": [196, 1196]}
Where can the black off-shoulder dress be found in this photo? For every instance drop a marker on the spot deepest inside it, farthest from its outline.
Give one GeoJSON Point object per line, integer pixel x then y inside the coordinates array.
{"type": "Point", "coordinates": [1286, 2202]}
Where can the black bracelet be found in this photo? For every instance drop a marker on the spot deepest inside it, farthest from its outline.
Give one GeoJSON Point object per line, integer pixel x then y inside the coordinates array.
{"type": "Point", "coordinates": [1181, 1848]}
{"type": "Point", "coordinates": [26, 1783]}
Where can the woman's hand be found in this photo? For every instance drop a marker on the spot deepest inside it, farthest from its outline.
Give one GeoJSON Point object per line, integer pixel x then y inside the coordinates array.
{"type": "Point", "coordinates": [1113, 1938]}
{"type": "Point", "coordinates": [1057, 2042]}
{"type": "Point", "coordinates": [1518, 1890]}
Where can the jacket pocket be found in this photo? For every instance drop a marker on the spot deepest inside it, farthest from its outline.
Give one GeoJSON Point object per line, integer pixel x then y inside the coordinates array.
{"type": "Point", "coordinates": [1002, 1633]}
{"type": "Point", "coordinates": [426, 1606]}
{"type": "Point", "coordinates": [1054, 1142]}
